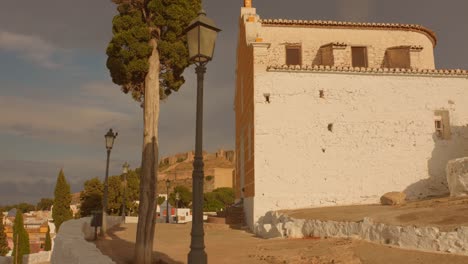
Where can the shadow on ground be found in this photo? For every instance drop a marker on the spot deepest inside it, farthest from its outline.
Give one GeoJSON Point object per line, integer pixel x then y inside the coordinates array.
{"type": "Point", "coordinates": [118, 249]}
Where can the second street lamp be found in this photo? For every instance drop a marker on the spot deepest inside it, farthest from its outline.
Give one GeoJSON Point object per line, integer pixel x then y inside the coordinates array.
{"type": "Point", "coordinates": [201, 37]}
{"type": "Point", "coordinates": [177, 207]}
{"type": "Point", "coordinates": [110, 137]}
{"type": "Point", "coordinates": [125, 168]}
{"type": "Point", "coordinates": [168, 184]}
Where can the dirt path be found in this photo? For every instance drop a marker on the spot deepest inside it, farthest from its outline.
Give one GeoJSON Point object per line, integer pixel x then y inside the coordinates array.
{"type": "Point", "coordinates": [225, 245]}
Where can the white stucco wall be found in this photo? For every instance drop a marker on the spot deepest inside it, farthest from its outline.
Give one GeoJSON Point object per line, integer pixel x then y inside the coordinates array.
{"type": "Point", "coordinates": [383, 137]}
{"type": "Point", "coordinates": [71, 245]}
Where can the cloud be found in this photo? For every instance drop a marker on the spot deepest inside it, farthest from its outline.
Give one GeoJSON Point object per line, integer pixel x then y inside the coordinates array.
{"type": "Point", "coordinates": [356, 10]}
{"type": "Point", "coordinates": [31, 48]}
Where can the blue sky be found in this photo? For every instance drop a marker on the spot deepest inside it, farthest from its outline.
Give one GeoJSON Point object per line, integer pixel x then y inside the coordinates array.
{"type": "Point", "coordinates": [57, 100]}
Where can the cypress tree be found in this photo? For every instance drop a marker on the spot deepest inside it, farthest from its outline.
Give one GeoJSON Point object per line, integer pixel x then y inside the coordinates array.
{"type": "Point", "coordinates": [146, 58]}
{"type": "Point", "coordinates": [20, 239]}
{"type": "Point", "coordinates": [61, 211]}
{"type": "Point", "coordinates": [4, 249]}
{"type": "Point", "coordinates": [48, 241]}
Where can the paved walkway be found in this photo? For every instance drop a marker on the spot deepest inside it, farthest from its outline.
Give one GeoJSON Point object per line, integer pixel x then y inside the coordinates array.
{"type": "Point", "coordinates": [229, 246]}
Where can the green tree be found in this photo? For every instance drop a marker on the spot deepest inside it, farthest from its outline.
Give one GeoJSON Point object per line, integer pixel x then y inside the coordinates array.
{"type": "Point", "coordinates": [147, 58]}
{"type": "Point", "coordinates": [45, 204]}
{"type": "Point", "coordinates": [91, 197]}
{"type": "Point", "coordinates": [133, 191]}
{"type": "Point", "coordinates": [20, 239]}
{"type": "Point", "coordinates": [218, 199]}
{"type": "Point", "coordinates": [185, 196]}
{"type": "Point", "coordinates": [61, 211]}
{"type": "Point", "coordinates": [114, 202]}
{"type": "Point", "coordinates": [24, 207]}
{"type": "Point", "coordinates": [48, 241]}
{"type": "Point", "coordinates": [4, 249]}
{"type": "Point", "coordinates": [211, 203]}
{"type": "Point", "coordinates": [225, 195]}
{"type": "Point", "coordinates": [161, 200]}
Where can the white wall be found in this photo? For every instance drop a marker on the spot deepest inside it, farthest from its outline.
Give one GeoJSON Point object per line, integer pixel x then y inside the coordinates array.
{"type": "Point", "coordinates": [5, 260]}
{"type": "Point", "coordinates": [37, 258]}
{"type": "Point", "coordinates": [383, 137]}
{"type": "Point", "coordinates": [71, 246]}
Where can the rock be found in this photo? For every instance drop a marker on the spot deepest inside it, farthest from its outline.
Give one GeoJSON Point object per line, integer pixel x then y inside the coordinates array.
{"type": "Point", "coordinates": [457, 177]}
{"type": "Point", "coordinates": [393, 198]}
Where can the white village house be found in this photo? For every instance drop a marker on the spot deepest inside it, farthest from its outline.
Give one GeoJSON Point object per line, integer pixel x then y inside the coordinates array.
{"type": "Point", "coordinates": [337, 113]}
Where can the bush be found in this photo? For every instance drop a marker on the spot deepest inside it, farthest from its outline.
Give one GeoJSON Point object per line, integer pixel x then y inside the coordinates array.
{"type": "Point", "coordinates": [218, 199]}
{"type": "Point", "coordinates": [209, 178]}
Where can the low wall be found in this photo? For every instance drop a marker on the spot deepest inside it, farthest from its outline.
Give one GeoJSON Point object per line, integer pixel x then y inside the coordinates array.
{"type": "Point", "coordinates": [71, 246]}
{"type": "Point", "coordinates": [131, 219]}
{"type": "Point", "coordinates": [276, 225]}
{"type": "Point", "coordinates": [5, 260]}
{"type": "Point", "coordinates": [37, 258]}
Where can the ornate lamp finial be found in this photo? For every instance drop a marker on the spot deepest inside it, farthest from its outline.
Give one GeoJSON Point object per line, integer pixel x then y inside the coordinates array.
{"type": "Point", "coordinates": [247, 3]}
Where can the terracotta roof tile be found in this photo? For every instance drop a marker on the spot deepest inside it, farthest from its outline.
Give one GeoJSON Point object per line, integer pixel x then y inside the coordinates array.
{"type": "Point", "coordinates": [323, 23]}
{"type": "Point", "coordinates": [345, 69]}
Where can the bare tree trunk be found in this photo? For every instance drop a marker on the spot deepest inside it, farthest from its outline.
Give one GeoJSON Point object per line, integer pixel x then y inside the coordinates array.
{"type": "Point", "coordinates": [149, 163]}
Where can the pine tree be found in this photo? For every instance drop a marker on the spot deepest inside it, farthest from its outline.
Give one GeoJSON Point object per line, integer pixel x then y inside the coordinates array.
{"type": "Point", "coordinates": [61, 211]}
{"type": "Point", "coordinates": [4, 249]}
{"type": "Point", "coordinates": [48, 241]}
{"type": "Point", "coordinates": [20, 239]}
{"type": "Point", "coordinates": [147, 58]}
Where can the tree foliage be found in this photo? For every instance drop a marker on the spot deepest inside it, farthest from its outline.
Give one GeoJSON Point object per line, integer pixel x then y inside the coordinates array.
{"type": "Point", "coordinates": [23, 207]}
{"type": "Point", "coordinates": [61, 211]}
{"type": "Point", "coordinates": [137, 22]}
{"type": "Point", "coordinates": [48, 241]}
{"type": "Point", "coordinates": [218, 199]}
{"type": "Point", "coordinates": [91, 197]}
{"type": "Point", "coordinates": [4, 249]}
{"type": "Point", "coordinates": [45, 204]}
{"type": "Point", "coordinates": [20, 239]}
{"type": "Point", "coordinates": [115, 195]}
{"type": "Point", "coordinates": [185, 197]}
{"type": "Point", "coordinates": [146, 40]}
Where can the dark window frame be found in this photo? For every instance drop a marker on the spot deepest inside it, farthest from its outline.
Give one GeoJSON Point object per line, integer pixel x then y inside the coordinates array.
{"type": "Point", "coordinates": [366, 57]}
{"type": "Point", "coordinates": [293, 47]}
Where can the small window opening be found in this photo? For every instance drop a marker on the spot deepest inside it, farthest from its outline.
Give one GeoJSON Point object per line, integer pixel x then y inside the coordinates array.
{"type": "Point", "coordinates": [359, 56]}
{"type": "Point", "coordinates": [322, 94]}
{"type": "Point", "coordinates": [438, 128]}
{"type": "Point", "coordinates": [330, 127]}
{"type": "Point", "coordinates": [293, 55]}
{"type": "Point", "coordinates": [267, 97]}
{"type": "Point", "coordinates": [442, 124]}
{"type": "Point", "coordinates": [323, 150]}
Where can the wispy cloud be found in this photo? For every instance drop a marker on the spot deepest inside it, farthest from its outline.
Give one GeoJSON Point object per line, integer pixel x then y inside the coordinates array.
{"type": "Point", "coordinates": [356, 10]}
{"type": "Point", "coordinates": [31, 48]}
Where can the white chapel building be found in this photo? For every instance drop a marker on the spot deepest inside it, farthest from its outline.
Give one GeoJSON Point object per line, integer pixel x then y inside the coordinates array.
{"type": "Point", "coordinates": [337, 113]}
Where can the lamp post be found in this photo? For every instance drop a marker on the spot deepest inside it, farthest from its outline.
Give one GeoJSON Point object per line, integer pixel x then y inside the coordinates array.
{"type": "Point", "coordinates": [168, 184]}
{"type": "Point", "coordinates": [201, 36]}
{"type": "Point", "coordinates": [177, 207]}
{"type": "Point", "coordinates": [125, 168]}
{"type": "Point", "coordinates": [110, 137]}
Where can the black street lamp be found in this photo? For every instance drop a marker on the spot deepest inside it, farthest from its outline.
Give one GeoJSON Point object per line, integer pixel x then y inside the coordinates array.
{"type": "Point", "coordinates": [110, 137]}
{"type": "Point", "coordinates": [168, 184]}
{"type": "Point", "coordinates": [177, 207]}
{"type": "Point", "coordinates": [125, 168]}
{"type": "Point", "coordinates": [201, 38]}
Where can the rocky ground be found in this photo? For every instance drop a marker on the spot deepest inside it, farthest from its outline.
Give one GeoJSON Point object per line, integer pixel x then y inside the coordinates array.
{"type": "Point", "coordinates": [446, 213]}
{"type": "Point", "coordinates": [226, 245]}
